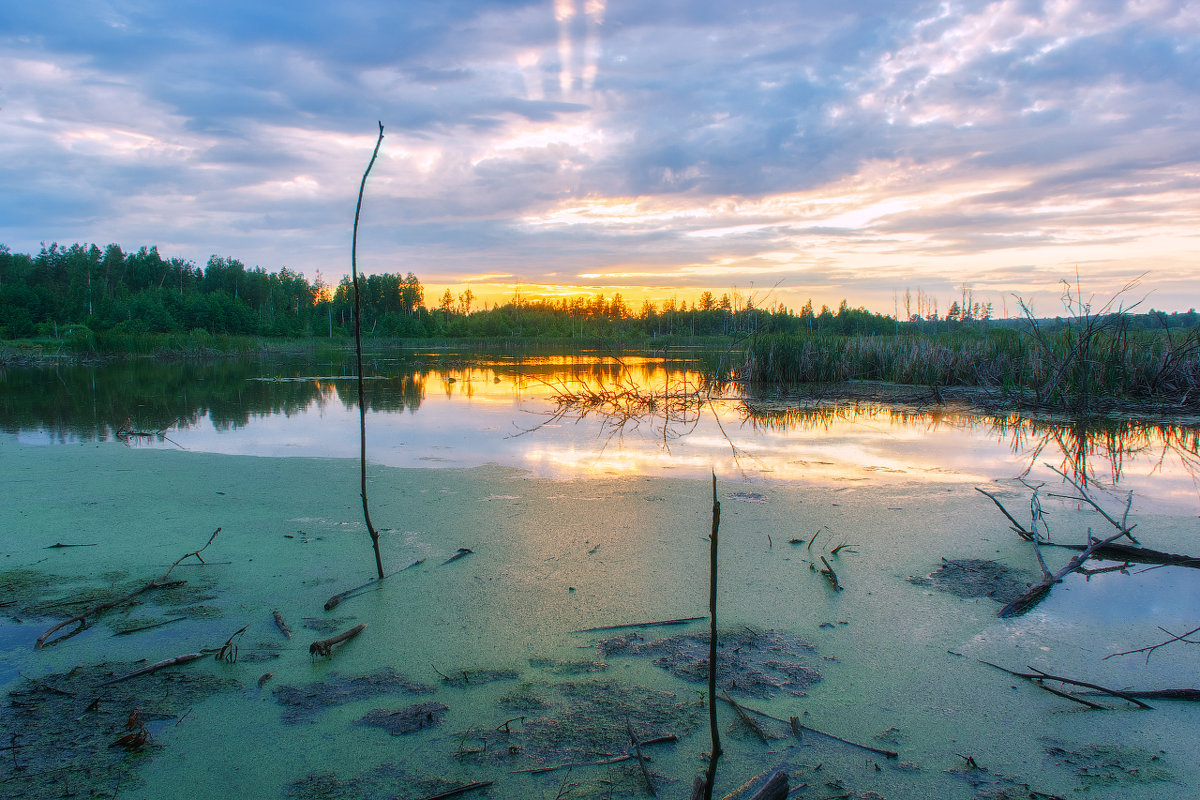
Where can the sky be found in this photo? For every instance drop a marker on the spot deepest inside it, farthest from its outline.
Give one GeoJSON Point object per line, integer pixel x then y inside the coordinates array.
{"type": "Point", "coordinates": [776, 151]}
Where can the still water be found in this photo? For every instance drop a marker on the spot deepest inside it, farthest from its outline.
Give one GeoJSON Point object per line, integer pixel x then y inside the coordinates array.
{"type": "Point", "coordinates": [578, 415]}
{"type": "Point", "coordinates": [581, 485]}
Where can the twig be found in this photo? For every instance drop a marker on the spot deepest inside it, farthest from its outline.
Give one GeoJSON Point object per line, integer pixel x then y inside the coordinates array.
{"type": "Point", "coordinates": [1149, 650]}
{"type": "Point", "coordinates": [140, 628]}
{"type": "Point", "coordinates": [1120, 526]}
{"type": "Point", "coordinates": [682, 621]}
{"type": "Point", "coordinates": [82, 618]}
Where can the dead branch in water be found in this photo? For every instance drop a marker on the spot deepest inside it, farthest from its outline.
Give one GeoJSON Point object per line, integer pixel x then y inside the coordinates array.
{"type": "Point", "coordinates": [831, 575]}
{"type": "Point", "coordinates": [82, 618]}
{"type": "Point", "coordinates": [470, 787]}
{"type": "Point", "coordinates": [168, 662]}
{"type": "Point", "coordinates": [681, 621]}
{"type": "Point", "coordinates": [1037, 676]}
{"type": "Point", "coordinates": [637, 750]}
{"type": "Point", "coordinates": [324, 647]}
{"type": "Point", "coordinates": [336, 600]}
{"type": "Point", "coordinates": [1149, 650]}
{"type": "Point", "coordinates": [283, 628]}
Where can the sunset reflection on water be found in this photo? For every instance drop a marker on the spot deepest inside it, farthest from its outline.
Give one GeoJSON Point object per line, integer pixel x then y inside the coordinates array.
{"type": "Point", "coordinates": [583, 415]}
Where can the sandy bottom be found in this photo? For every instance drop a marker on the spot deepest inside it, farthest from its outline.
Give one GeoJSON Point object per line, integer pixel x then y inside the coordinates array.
{"type": "Point", "coordinates": [453, 650]}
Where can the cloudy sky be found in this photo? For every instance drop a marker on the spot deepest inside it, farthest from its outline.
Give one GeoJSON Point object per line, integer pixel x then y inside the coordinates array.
{"type": "Point", "coordinates": [791, 149]}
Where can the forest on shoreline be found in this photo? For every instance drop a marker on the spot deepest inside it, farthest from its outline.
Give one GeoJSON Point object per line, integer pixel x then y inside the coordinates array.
{"type": "Point", "coordinates": [103, 290]}
{"type": "Point", "coordinates": [87, 301]}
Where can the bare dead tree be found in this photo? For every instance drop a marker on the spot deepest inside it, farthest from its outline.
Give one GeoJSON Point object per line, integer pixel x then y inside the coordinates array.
{"type": "Point", "coordinates": [362, 404]}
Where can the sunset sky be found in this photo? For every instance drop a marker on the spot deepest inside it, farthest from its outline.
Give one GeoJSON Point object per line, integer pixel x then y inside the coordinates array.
{"type": "Point", "coordinates": [788, 150]}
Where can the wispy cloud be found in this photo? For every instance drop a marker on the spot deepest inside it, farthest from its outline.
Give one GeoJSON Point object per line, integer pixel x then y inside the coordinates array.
{"type": "Point", "coordinates": [837, 150]}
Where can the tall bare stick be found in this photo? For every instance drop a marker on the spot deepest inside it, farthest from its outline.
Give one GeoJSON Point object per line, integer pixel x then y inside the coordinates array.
{"type": "Point", "coordinates": [362, 404]}
{"type": "Point", "coordinates": [710, 776]}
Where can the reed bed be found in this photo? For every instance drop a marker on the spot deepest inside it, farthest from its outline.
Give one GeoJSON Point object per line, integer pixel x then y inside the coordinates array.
{"type": "Point", "coordinates": [1075, 368]}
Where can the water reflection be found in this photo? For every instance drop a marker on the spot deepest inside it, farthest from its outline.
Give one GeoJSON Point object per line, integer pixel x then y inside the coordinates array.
{"type": "Point", "coordinates": [566, 415]}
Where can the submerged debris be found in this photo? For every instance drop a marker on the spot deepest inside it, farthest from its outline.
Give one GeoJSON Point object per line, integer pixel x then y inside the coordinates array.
{"type": "Point", "coordinates": [66, 736]}
{"type": "Point", "coordinates": [303, 703]}
{"type": "Point", "coordinates": [757, 664]}
{"type": "Point", "coordinates": [1109, 764]}
{"type": "Point", "coordinates": [406, 720]}
{"type": "Point", "coordinates": [973, 577]}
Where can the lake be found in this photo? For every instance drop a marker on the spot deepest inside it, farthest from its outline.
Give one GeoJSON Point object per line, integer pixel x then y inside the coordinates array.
{"type": "Point", "coordinates": [581, 484]}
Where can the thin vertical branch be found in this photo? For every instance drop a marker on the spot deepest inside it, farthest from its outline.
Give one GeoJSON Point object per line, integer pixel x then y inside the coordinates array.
{"type": "Point", "coordinates": [362, 404]}
{"type": "Point", "coordinates": [711, 774]}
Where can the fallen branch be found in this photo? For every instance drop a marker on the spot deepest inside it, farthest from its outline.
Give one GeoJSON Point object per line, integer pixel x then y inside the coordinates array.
{"type": "Point", "coordinates": [1036, 593]}
{"type": "Point", "coordinates": [798, 729]}
{"type": "Point", "coordinates": [151, 626]}
{"type": "Point", "coordinates": [82, 618]}
{"type": "Point", "coordinates": [279, 623]}
{"type": "Point", "coordinates": [470, 787]}
{"type": "Point", "coordinates": [1037, 676]}
{"type": "Point", "coordinates": [324, 647]}
{"type": "Point", "coordinates": [746, 719]}
{"type": "Point", "coordinates": [602, 763]}
{"type": "Point", "coordinates": [462, 551]}
{"type": "Point", "coordinates": [831, 575]}
{"type": "Point", "coordinates": [1189, 695]}
{"type": "Point", "coordinates": [334, 601]}
{"type": "Point", "coordinates": [170, 662]}
{"type": "Point", "coordinates": [682, 621]}
{"type": "Point", "coordinates": [637, 749]}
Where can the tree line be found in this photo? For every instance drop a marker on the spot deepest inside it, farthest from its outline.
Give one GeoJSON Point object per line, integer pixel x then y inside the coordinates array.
{"type": "Point", "coordinates": [108, 289]}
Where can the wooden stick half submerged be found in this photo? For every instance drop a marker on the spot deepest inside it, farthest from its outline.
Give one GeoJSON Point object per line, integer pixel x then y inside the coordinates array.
{"type": "Point", "coordinates": [324, 647]}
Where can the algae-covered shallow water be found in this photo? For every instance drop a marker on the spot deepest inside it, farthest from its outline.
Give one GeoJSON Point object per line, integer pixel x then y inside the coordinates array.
{"type": "Point", "coordinates": [610, 528]}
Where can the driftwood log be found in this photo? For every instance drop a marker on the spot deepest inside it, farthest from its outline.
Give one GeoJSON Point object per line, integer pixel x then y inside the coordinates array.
{"type": "Point", "coordinates": [168, 662]}
{"type": "Point", "coordinates": [82, 619]}
{"type": "Point", "coordinates": [324, 647]}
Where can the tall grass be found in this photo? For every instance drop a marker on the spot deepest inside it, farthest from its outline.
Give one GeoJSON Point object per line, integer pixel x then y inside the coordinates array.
{"type": "Point", "coordinates": [1068, 369]}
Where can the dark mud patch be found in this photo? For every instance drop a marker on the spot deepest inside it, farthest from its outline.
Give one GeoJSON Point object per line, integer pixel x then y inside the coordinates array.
{"type": "Point", "coordinates": [409, 719]}
{"type": "Point", "coordinates": [581, 722]}
{"type": "Point", "coordinates": [973, 577]}
{"type": "Point", "coordinates": [1097, 765]}
{"type": "Point", "coordinates": [750, 663]}
{"type": "Point", "coordinates": [568, 668]}
{"type": "Point", "coordinates": [330, 625]}
{"type": "Point", "coordinates": [477, 677]}
{"type": "Point", "coordinates": [62, 730]}
{"type": "Point", "coordinates": [386, 782]}
{"type": "Point", "coordinates": [304, 703]}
